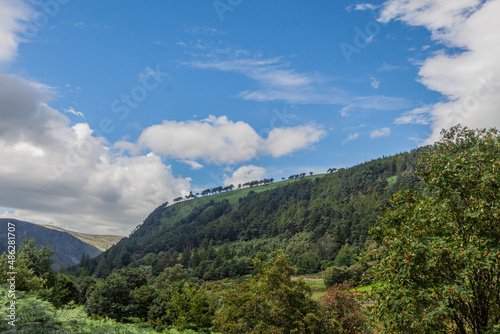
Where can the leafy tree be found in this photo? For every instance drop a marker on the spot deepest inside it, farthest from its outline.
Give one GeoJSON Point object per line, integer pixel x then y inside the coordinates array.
{"type": "Point", "coordinates": [64, 290]}
{"type": "Point", "coordinates": [346, 256]}
{"type": "Point", "coordinates": [143, 298]}
{"type": "Point", "coordinates": [343, 311]}
{"type": "Point", "coordinates": [440, 271]}
{"type": "Point", "coordinates": [38, 258]}
{"type": "Point", "coordinates": [271, 303]}
{"type": "Point", "coordinates": [334, 275]}
{"type": "Point", "coordinates": [183, 306]}
{"type": "Point", "coordinates": [113, 297]}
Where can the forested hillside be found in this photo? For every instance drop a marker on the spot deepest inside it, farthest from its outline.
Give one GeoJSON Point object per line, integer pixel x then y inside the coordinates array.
{"type": "Point", "coordinates": [312, 219]}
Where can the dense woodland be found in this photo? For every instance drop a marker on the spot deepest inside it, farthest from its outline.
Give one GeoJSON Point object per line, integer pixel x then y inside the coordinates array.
{"type": "Point", "coordinates": [311, 219]}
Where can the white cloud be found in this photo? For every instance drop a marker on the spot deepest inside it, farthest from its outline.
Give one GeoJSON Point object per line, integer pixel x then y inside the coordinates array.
{"type": "Point", "coordinates": [214, 140]}
{"type": "Point", "coordinates": [56, 172]}
{"type": "Point", "coordinates": [245, 174]}
{"type": "Point", "coordinates": [383, 132]}
{"type": "Point", "coordinates": [221, 141]}
{"type": "Point", "coordinates": [12, 15]}
{"type": "Point", "coordinates": [282, 141]}
{"type": "Point", "coordinates": [415, 116]}
{"type": "Point", "coordinates": [374, 82]}
{"type": "Point", "coordinates": [469, 80]}
{"type": "Point", "coordinates": [72, 110]}
{"type": "Point", "coordinates": [194, 165]}
{"type": "Point", "coordinates": [351, 137]}
{"type": "Point", "coordinates": [365, 6]}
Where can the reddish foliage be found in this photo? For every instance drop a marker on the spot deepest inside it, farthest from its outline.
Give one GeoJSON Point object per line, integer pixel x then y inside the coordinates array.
{"type": "Point", "coordinates": [344, 311]}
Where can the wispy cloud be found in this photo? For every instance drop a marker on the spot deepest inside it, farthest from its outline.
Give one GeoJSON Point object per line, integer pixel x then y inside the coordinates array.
{"type": "Point", "coordinates": [71, 110]}
{"type": "Point", "coordinates": [196, 30]}
{"type": "Point", "coordinates": [351, 137]}
{"type": "Point", "coordinates": [383, 132]}
{"type": "Point", "coordinates": [279, 82]}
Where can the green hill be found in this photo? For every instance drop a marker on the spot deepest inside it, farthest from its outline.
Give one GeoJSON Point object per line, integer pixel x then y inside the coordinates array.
{"type": "Point", "coordinates": [311, 218]}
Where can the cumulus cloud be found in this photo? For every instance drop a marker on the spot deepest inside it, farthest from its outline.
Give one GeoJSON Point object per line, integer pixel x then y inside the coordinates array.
{"type": "Point", "coordinates": [12, 15]}
{"type": "Point", "coordinates": [221, 141]}
{"type": "Point", "coordinates": [282, 141]}
{"type": "Point", "coordinates": [383, 132]}
{"type": "Point", "coordinates": [59, 173]}
{"type": "Point", "coordinates": [245, 174]}
{"type": "Point", "coordinates": [470, 79]}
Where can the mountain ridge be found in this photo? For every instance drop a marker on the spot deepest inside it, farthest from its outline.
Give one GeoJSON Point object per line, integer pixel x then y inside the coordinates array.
{"type": "Point", "coordinates": [68, 249]}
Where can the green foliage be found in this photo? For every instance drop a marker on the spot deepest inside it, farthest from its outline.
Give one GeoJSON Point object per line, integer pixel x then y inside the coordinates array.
{"type": "Point", "coordinates": [36, 316]}
{"type": "Point", "coordinates": [346, 256]}
{"type": "Point", "coordinates": [334, 275]}
{"type": "Point", "coordinates": [440, 268]}
{"type": "Point", "coordinates": [271, 303]}
{"type": "Point", "coordinates": [143, 297]}
{"type": "Point", "coordinates": [186, 307]}
{"type": "Point", "coordinates": [64, 290]}
{"type": "Point", "coordinates": [344, 313]}
{"type": "Point", "coordinates": [169, 276]}
{"type": "Point", "coordinates": [32, 315]}
{"type": "Point", "coordinates": [112, 297]}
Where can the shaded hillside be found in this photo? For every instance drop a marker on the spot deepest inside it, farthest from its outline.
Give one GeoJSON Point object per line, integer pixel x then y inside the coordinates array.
{"type": "Point", "coordinates": [311, 219]}
{"type": "Point", "coordinates": [101, 242]}
{"type": "Point", "coordinates": [68, 250]}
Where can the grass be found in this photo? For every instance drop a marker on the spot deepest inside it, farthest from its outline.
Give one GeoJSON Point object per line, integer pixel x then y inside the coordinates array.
{"type": "Point", "coordinates": [185, 207]}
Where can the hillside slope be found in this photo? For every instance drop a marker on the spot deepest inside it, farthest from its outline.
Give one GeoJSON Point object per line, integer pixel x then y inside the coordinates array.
{"type": "Point", "coordinates": [101, 242]}
{"type": "Point", "coordinates": [68, 249]}
{"type": "Point", "coordinates": [311, 219]}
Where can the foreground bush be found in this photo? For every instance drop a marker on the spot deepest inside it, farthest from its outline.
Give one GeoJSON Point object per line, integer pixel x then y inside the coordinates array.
{"type": "Point", "coordinates": [344, 312]}
{"type": "Point", "coordinates": [270, 303]}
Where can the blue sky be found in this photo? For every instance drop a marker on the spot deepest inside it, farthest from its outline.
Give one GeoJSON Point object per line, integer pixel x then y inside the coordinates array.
{"type": "Point", "coordinates": [114, 107]}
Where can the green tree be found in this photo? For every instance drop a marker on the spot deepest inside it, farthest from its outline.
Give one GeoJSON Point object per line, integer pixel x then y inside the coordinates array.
{"type": "Point", "coordinates": [64, 290]}
{"type": "Point", "coordinates": [113, 297]}
{"type": "Point", "coordinates": [440, 271]}
{"type": "Point", "coordinates": [271, 303]}
{"type": "Point", "coordinates": [334, 275]}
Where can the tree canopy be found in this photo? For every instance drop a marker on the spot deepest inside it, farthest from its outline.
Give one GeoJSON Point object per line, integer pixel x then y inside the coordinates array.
{"type": "Point", "coordinates": [439, 271]}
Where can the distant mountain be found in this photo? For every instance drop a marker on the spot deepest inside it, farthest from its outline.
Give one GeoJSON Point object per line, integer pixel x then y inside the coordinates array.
{"type": "Point", "coordinates": [68, 249]}
{"type": "Point", "coordinates": [102, 242]}
{"type": "Point", "coordinates": [312, 218]}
